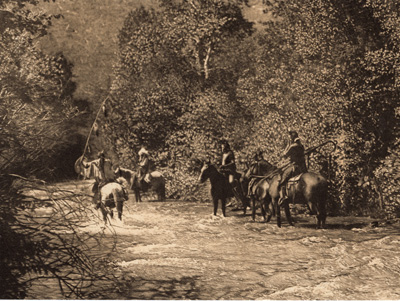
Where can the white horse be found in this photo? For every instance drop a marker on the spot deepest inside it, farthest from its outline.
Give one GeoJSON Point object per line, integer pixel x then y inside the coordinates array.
{"type": "Point", "coordinates": [113, 195]}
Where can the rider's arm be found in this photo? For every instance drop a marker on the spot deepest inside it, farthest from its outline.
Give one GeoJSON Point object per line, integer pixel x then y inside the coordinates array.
{"type": "Point", "coordinates": [88, 164]}
{"type": "Point", "coordinates": [288, 151]}
{"type": "Point", "coordinates": [232, 159]}
{"type": "Point", "coordinates": [144, 162]}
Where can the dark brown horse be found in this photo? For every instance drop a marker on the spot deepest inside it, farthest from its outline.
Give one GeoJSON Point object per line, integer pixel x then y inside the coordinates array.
{"type": "Point", "coordinates": [220, 187]}
{"type": "Point", "coordinates": [310, 189]}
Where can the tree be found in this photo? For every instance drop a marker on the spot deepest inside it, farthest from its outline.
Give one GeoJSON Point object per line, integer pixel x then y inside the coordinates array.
{"type": "Point", "coordinates": [168, 58]}
{"type": "Point", "coordinates": [37, 114]}
{"type": "Point", "coordinates": [328, 70]}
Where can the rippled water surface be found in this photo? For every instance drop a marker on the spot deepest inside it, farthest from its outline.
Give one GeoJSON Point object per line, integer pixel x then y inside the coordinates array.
{"type": "Point", "coordinates": [178, 250]}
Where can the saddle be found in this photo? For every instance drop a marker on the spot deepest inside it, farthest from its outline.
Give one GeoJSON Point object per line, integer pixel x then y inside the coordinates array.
{"type": "Point", "coordinates": [291, 185]}
{"type": "Point", "coordinates": [252, 186]}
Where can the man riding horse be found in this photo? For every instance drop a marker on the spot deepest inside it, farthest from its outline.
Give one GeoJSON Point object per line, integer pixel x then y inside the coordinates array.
{"type": "Point", "coordinates": [228, 169]}
{"type": "Point", "coordinates": [228, 164]}
{"type": "Point", "coordinates": [294, 152]}
{"type": "Point", "coordinates": [101, 176]}
{"type": "Point", "coordinates": [144, 168]}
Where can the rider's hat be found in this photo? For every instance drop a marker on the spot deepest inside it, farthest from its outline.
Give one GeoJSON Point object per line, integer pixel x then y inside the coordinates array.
{"type": "Point", "coordinates": [293, 131]}
{"type": "Point", "coordinates": [101, 154]}
{"type": "Point", "coordinates": [224, 142]}
{"type": "Point", "coordinates": [143, 151]}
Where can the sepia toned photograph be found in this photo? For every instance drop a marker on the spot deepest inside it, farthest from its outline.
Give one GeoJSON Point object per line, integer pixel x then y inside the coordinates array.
{"type": "Point", "coordinates": [200, 149]}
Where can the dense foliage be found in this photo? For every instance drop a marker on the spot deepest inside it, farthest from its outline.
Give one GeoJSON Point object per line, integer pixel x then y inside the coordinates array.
{"type": "Point", "coordinates": [196, 71]}
{"type": "Point", "coordinates": [37, 140]}
{"type": "Point", "coordinates": [189, 73]}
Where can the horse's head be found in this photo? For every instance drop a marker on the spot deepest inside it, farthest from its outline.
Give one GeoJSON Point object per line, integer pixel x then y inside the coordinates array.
{"type": "Point", "coordinates": [122, 181]}
{"type": "Point", "coordinates": [205, 171]}
{"type": "Point", "coordinates": [260, 168]}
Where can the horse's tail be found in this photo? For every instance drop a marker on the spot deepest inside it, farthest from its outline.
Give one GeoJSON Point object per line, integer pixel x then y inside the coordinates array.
{"type": "Point", "coordinates": [320, 195]}
{"type": "Point", "coordinates": [160, 184]}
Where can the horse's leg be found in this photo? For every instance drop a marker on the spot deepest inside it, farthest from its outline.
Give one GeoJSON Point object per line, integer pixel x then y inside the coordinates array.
{"type": "Point", "coordinates": [321, 216]}
{"type": "Point", "coordinates": [263, 205]}
{"type": "Point", "coordinates": [253, 212]}
{"type": "Point", "coordinates": [215, 202]}
{"type": "Point", "coordinates": [119, 209]}
{"type": "Point", "coordinates": [104, 213]}
{"type": "Point", "coordinates": [314, 211]}
{"type": "Point", "coordinates": [322, 211]}
{"type": "Point", "coordinates": [270, 211]}
{"type": "Point", "coordinates": [223, 204]}
{"type": "Point", "coordinates": [137, 195]}
{"type": "Point", "coordinates": [288, 214]}
{"type": "Point", "coordinates": [278, 213]}
{"type": "Point", "coordinates": [158, 192]}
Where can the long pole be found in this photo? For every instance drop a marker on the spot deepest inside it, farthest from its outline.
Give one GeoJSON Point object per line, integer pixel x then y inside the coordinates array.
{"type": "Point", "coordinates": [91, 129]}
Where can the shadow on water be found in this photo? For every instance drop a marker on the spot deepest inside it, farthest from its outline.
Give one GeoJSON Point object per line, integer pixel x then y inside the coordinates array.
{"type": "Point", "coordinates": [334, 226]}
{"type": "Point", "coordinates": [157, 289]}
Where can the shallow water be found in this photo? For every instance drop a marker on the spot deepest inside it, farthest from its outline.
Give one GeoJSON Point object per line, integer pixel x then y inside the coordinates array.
{"type": "Point", "coordinates": [178, 250]}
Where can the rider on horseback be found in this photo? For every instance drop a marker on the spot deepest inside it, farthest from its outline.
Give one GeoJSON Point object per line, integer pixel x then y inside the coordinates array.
{"type": "Point", "coordinates": [144, 167]}
{"type": "Point", "coordinates": [294, 152]}
{"type": "Point", "coordinates": [101, 177]}
{"type": "Point", "coordinates": [228, 169]}
{"type": "Point", "coordinates": [228, 165]}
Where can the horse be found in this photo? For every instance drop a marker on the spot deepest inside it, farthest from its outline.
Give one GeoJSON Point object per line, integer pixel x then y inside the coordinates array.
{"type": "Point", "coordinates": [112, 195]}
{"type": "Point", "coordinates": [157, 182]}
{"type": "Point", "coordinates": [258, 189]}
{"type": "Point", "coordinates": [220, 187]}
{"type": "Point", "coordinates": [308, 188]}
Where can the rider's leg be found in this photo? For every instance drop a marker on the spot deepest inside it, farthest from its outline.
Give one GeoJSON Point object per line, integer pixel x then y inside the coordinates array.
{"type": "Point", "coordinates": [282, 185]}
{"type": "Point", "coordinates": [231, 180]}
{"type": "Point", "coordinates": [282, 194]}
{"type": "Point", "coordinates": [244, 185]}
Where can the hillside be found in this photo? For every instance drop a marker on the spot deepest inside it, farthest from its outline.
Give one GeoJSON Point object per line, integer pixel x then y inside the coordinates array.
{"type": "Point", "coordinates": [87, 34]}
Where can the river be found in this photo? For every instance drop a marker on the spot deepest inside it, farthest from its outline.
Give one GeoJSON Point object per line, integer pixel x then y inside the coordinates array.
{"type": "Point", "coordinates": [179, 250]}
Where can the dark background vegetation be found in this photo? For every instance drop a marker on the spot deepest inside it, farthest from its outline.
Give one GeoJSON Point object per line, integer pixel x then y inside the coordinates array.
{"type": "Point", "coordinates": [180, 75]}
